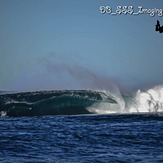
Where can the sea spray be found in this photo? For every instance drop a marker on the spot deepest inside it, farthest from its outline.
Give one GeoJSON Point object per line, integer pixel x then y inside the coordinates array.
{"type": "Point", "coordinates": [150, 100]}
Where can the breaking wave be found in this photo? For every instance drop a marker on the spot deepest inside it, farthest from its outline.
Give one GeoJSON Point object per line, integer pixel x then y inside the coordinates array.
{"type": "Point", "coordinates": [73, 102]}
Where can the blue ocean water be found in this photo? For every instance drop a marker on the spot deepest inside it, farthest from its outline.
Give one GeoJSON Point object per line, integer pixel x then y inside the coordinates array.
{"type": "Point", "coordinates": [82, 138]}
{"type": "Point", "coordinates": [81, 126]}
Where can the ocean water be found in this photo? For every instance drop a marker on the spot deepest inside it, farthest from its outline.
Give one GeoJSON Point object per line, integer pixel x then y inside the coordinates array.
{"type": "Point", "coordinates": [81, 126]}
{"type": "Point", "coordinates": [88, 138]}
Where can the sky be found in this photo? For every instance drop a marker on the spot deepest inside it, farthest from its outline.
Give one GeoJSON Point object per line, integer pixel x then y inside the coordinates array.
{"type": "Point", "coordinates": [70, 44]}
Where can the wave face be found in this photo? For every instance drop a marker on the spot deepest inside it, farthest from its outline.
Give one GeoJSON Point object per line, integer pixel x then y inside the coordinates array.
{"type": "Point", "coordinates": [51, 102]}
{"type": "Point", "coordinates": [80, 102]}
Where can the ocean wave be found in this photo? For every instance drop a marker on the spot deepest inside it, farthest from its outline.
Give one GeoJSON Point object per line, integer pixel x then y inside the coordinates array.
{"type": "Point", "coordinates": [51, 102]}
{"type": "Point", "coordinates": [73, 102]}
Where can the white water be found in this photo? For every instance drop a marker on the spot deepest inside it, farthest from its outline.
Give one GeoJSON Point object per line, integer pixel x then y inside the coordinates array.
{"type": "Point", "coordinates": [150, 100]}
{"type": "Point", "coordinates": [107, 107]}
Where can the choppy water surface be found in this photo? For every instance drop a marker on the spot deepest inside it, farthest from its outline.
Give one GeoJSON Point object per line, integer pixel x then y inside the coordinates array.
{"type": "Point", "coordinates": [82, 138]}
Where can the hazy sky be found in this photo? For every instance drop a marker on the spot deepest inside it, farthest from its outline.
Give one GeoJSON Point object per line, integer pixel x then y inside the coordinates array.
{"type": "Point", "coordinates": [69, 44]}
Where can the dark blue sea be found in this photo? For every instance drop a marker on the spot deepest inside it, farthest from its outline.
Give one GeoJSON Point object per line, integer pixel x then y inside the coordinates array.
{"type": "Point", "coordinates": [78, 126]}
{"type": "Point", "coordinates": [88, 138]}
